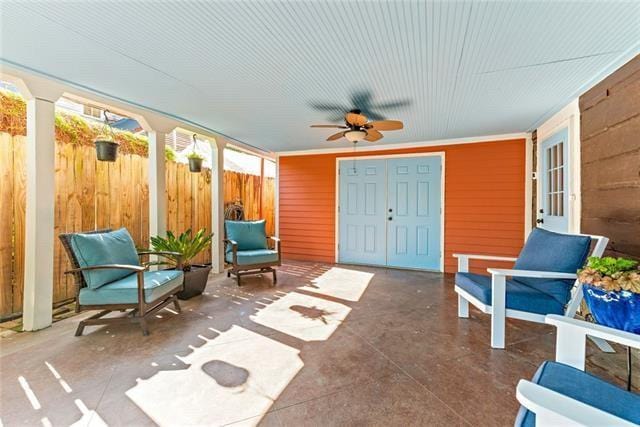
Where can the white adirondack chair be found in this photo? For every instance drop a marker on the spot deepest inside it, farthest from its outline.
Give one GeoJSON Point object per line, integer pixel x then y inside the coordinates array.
{"type": "Point", "coordinates": [562, 394]}
{"type": "Point", "coordinates": [497, 305]}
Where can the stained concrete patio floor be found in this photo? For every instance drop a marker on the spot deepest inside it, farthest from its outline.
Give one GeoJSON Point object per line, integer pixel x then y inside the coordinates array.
{"type": "Point", "coordinates": [330, 345]}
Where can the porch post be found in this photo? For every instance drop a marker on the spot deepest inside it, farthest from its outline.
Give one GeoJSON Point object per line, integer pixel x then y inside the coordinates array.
{"type": "Point", "coordinates": [217, 205]}
{"type": "Point", "coordinates": [38, 260]}
{"type": "Point", "coordinates": [157, 184]}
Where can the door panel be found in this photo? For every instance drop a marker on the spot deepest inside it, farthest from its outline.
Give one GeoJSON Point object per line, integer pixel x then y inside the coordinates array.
{"type": "Point", "coordinates": [554, 181]}
{"type": "Point", "coordinates": [362, 212]}
{"type": "Point", "coordinates": [414, 212]}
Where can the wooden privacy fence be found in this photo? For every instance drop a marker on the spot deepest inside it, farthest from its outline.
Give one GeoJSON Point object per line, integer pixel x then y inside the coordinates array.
{"type": "Point", "coordinates": [91, 194]}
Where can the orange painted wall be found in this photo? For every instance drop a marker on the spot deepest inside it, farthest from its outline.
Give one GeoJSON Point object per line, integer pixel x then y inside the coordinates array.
{"type": "Point", "coordinates": [484, 201]}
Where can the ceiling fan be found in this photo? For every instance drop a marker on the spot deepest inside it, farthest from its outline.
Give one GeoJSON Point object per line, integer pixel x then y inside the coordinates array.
{"type": "Point", "coordinates": [359, 128]}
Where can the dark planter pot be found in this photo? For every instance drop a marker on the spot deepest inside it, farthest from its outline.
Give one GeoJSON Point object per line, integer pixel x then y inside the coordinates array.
{"type": "Point", "coordinates": [195, 281]}
{"type": "Point", "coordinates": [195, 164]}
{"type": "Point", "coordinates": [107, 151]}
{"type": "Point", "coordinates": [619, 310]}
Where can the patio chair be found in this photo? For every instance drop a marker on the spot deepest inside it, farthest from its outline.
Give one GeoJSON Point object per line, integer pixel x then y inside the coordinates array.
{"type": "Point", "coordinates": [247, 249]}
{"type": "Point", "coordinates": [108, 277]}
{"type": "Point", "coordinates": [561, 393]}
{"type": "Point", "coordinates": [542, 282]}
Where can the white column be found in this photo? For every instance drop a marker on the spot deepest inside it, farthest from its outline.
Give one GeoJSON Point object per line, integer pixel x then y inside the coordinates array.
{"type": "Point", "coordinates": [157, 184]}
{"type": "Point", "coordinates": [217, 205]}
{"type": "Point", "coordinates": [38, 264]}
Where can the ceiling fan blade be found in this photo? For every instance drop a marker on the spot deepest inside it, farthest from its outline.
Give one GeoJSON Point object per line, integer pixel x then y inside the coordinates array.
{"type": "Point", "coordinates": [373, 135]}
{"type": "Point", "coordinates": [355, 119]}
{"type": "Point", "coordinates": [335, 136]}
{"type": "Point", "coordinates": [385, 125]}
{"type": "Point", "coordinates": [329, 126]}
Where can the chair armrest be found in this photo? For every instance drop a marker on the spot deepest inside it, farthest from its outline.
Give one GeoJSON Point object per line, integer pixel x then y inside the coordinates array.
{"type": "Point", "coordinates": [234, 250]}
{"type": "Point", "coordinates": [593, 329]}
{"type": "Point", "coordinates": [276, 240]}
{"type": "Point", "coordinates": [553, 408]}
{"type": "Point", "coordinates": [463, 260]}
{"type": "Point", "coordinates": [135, 268]}
{"type": "Point", "coordinates": [531, 273]}
{"type": "Point", "coordinates": [163, 253]}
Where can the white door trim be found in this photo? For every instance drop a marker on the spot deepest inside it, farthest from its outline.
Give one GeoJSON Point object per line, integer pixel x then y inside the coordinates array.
{"type": "Point", "coordinates": [568, 117]}
{"type": "Point", "coordinates": [391, 156]}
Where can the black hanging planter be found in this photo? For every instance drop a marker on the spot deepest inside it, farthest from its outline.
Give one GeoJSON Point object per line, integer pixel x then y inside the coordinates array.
{"type": "Point", "coordinates": [195, 164]}
{"type": "Point", "coordinates": [106, 146]}
{"type": "Point", "coordinates": [106, 150]}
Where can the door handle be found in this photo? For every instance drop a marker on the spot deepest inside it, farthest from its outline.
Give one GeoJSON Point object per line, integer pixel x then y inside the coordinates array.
{"type": "Point", "coordinates": [540, 221]}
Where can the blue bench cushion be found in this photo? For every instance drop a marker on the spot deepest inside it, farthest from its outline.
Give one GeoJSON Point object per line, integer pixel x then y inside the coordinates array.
{"type": "Point", "coordinates": [585, 388]}
{"type": "Point", "coordinates": [125, 290]}
{"type": "Point", "coordinates": [115, 247]}
{"type": "Point", "coordinates": [546, 297]}
{"type": "Point", "coordinates": [549, 251]}
{"type": "Point", "coordinates": [249, 235]}
{"type": "Point", "coordinates": [258, 256]}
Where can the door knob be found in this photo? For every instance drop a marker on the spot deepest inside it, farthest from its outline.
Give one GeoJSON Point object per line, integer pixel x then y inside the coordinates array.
{"type": "Point", "coordinates": [539, 221]}
{"type": "Point", "coordinates": [390, 218]}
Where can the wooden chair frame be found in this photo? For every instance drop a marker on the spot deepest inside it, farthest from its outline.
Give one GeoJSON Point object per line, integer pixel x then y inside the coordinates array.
{"type": "Point", "coordinates": [140, 311]}
{"type": "Point", "coordinates": [250, 269]}
{"type": "Point", "coordinates": [498, 310]}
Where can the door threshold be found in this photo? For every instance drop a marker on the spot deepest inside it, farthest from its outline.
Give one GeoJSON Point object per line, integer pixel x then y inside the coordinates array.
{"type": "Point", "coordinates": [391, 267]}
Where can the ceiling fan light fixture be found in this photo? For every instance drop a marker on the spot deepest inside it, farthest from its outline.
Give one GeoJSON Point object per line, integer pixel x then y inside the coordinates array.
{"type": "Point", "coordinates": [355, 135]}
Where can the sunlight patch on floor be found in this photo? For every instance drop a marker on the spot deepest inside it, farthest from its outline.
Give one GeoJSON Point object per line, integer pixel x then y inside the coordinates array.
{"type": "Point", "coordinates": [223, 383]}
{"type": "Point", "coordinates": [303, 316]}
{"type": "Point", "coordinates": [340, 283]}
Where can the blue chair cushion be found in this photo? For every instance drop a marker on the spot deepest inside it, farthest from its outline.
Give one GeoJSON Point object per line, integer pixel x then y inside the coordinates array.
{"type": "Point", "coordinates": [585, 388]}
{"type": "Point", "coordinates": [257, 256]}
{"type": "Point", "coordinates": [249, 235]}
{"type": "Point", "coordinates": [549, 251]}
{"type": "Point", "coordinates": [547, 297]}
{"type": "Point", "coordinates": [125, 290]}
{"type": "Point", "coordinates": [115, 247]}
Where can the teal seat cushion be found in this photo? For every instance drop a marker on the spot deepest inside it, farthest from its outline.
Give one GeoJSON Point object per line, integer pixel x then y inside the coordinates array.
{"type": "Point", "coordinates": [125, 290]}
{"type": "Point", "coordinates": [257, 256]}
{"type": "Point", "coordinates": [249, 235]}
{"type": "Point", "coordinates": [545, 297]}
{"type": "Point", "coordinates": [115, 247]}
{"type": "Point", "coordinates": [583, 387]}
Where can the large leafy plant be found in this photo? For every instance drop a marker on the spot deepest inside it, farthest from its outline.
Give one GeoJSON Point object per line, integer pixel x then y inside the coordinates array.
{"type": "Point", "coordinates": [611, 274]}
{"type": "Point", "coordinates": [186, 244]}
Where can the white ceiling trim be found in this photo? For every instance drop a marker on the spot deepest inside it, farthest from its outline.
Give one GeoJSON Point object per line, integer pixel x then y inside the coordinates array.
{"type": "Point", "coordinates": [406, 145]}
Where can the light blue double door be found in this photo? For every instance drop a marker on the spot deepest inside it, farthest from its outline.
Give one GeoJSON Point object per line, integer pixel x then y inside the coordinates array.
{"type": "Point", "coordinates": [390, 212]}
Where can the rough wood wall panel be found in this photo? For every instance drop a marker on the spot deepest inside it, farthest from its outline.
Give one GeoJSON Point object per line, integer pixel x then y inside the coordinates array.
{"type": "Point", "coordinates": [610, 133]}
{"type": "Point", "coordinates": [484, 201]}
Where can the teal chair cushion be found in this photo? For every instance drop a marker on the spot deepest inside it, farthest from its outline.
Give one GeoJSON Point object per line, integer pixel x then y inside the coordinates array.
{"type": "Point", "coordinates": [585, 388]}
{"type": "Point", "coordinates": [125, 290]}
{"type": "Point", "coordinates": [249, 235]}
{"type": "Point", "coordinates": [256, 256]}
{"type": "Point", "coordinates": [115, 247]}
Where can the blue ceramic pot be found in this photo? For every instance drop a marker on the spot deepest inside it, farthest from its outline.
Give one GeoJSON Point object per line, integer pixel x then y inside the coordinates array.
{"type": "Point", "coordinates": [620, 310]}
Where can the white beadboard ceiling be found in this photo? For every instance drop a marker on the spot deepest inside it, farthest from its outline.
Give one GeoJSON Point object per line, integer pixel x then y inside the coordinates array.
{"type": "Point", "coordinates": [255, 70]}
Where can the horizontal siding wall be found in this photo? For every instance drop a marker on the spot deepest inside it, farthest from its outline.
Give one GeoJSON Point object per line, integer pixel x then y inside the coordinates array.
{"type": "Point", "coordinates": [610, 133]}
{"type": "Point", "coordinates": [484, 201]}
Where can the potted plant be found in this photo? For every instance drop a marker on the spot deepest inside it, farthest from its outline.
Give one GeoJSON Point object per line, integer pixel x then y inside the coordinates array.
{"type": "Point", "coordinates": [195, 162]}
{"type": "Point", "coordinates": [106, 148]}
{"type": "Point", "coordinates": [106, 145]}
{"type": "Point", "coordinates": [188, 246]}
{"type": "Point", "coordinates": [612, 292]}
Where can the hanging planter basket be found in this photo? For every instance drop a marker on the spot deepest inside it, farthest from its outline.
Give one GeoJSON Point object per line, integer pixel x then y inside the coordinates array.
{"type": "Point", "coordinates": [106, 146]}
{"type": "Point", "coordinates": [195, 164]}
{"type": "Point", "coordinates": [195, 159]}
{"type": "Point", "coordinates": [106, 150]}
